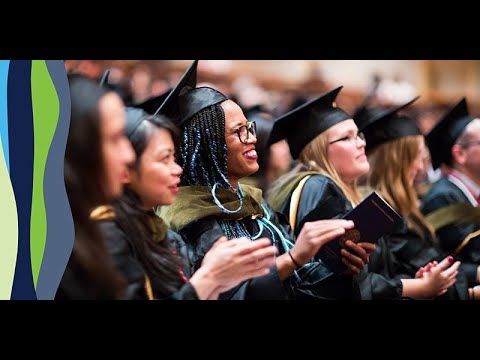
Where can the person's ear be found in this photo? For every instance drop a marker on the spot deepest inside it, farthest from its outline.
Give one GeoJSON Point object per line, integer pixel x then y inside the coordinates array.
{"type": "Point", "coordinates": [459, 154]}
{"type": "Point", "coordinates": [127, 177]}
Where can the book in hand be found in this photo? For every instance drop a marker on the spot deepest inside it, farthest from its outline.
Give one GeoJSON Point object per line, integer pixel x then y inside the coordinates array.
{"type": "Point", "coordinates": [373, 218]}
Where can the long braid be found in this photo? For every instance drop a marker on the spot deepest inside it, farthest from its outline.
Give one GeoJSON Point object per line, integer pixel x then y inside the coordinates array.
{"type": "Point", "coordinates": [212, 132]}
{"type": "Point", "coordinates": [203, 151]}
{"type": "Point", "coordinates": [203, 156]}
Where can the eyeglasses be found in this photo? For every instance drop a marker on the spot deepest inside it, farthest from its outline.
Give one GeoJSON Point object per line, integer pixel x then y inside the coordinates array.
{"type": "Point", "coordinates": [350, 138]}
{"type": "Point", "coordinates": [469, 144]}
{"type": "Point", "coordinates": [245, 130]}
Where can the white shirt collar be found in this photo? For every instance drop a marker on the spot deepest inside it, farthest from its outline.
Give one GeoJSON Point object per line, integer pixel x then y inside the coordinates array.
{"type": "Point", "coordinates": [463, 183]}
{"type": "Point", "coordinates": [468, 182]}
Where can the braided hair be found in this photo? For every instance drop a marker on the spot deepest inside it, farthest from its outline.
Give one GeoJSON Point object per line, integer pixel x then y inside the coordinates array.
{"type": "Point", "coordinates": [203, 156]}
{"type": "Point", "coordinates": [203, 151]}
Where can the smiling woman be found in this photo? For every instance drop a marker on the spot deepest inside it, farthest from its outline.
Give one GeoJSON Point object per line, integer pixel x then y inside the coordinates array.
{"type": "Point", "coordinates": [331, 153]}
{"type": "Point", "coordinates": [216, 152]}
{"type": "Point", "coordinates": [347, 154]}
{"type": "Point", "coordinates": [150, 255]}
{"type": "Point", "coordinates": [241, 154]}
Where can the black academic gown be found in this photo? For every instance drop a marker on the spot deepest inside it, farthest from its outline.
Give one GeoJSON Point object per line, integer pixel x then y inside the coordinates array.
{"type": "Point", "coordinates": [444, 193]}
{"type": "Point", "coordinates": [126, 259]}
{"type": "Point", "coordinates": [411, 251]}
{"type": "Point", "coordinates": [311, 282]}
{"type": "Point", "coordinates": [322, 199]}
{"type": "Point", "coordinates": [76, 286]}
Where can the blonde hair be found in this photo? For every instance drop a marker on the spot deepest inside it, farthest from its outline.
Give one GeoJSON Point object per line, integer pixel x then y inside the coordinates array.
{"type": "Point", "coordinates": [314, 156]}
{"type": "Point", "coordinates": [389, 166]}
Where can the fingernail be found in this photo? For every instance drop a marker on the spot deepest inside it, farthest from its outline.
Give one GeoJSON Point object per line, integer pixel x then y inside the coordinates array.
{"type": "Point", "coordinates": [450, 259]}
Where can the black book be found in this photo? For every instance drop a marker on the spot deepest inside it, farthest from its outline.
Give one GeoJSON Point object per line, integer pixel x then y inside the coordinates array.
{"type": "Point", "coordinates": [373, 218]}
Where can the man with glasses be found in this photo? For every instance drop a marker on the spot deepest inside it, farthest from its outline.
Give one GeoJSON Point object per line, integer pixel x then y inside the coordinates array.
{"type": "Point", "coordinates": [452, 205]}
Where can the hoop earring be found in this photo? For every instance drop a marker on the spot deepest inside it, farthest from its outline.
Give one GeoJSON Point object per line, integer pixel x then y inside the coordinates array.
{"type": "Point", "coordinates": [219, 204]}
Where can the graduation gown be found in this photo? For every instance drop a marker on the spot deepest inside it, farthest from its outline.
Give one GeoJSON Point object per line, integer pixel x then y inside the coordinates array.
{"type": "Point", "coordinates": [444, 193]}
{"type": "Point", "coordinates": [126, 259]}
{"type": "Point", "coordinates": [312, 282]}
{"type": "Point", "coordinates": [76, 286]}
{"type": "Point", "coordinates": [322, 199]}
{"type": "Point", "coordinates": [411, 251]}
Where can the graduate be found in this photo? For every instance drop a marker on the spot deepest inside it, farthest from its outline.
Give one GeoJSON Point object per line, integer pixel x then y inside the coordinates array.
{"type": "Point", "coordinates": [96, 156]}
{"type": "Point", "coordinates": [331, 158]}
{"type": "Point", "coordinates": [217, 150]}
{"type": "Point", "coordinates": [452, 203]}
{"type": "Point", "coordinates": [273, 161]}
{"type": "Point", "coordinates": [396, 151]}
{"type": "Point", "coordinates": [148, 254]}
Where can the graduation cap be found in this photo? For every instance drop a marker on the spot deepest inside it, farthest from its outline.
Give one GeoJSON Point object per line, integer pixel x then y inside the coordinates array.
{"type": "Point", "coordinates": [121, 91]}
{"type": "Point", "coordinates": [381, 125]}
{"type": "Point", "coordinates": [443, 136]}
{"type": "Point", "coordinates": [186, 100]}
{"type": "Point", "coordinates": [135, 117]}
{"type": "Point", "coordinates": [254, 110]}
{"type": "Point", "coordinates": [152, 104]}
{"type": "Point", "coordinates": [306, 122]}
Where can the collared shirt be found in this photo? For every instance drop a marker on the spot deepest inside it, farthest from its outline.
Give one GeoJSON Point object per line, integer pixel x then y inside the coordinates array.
{"type": "Point", "coordinates": [468, 187]}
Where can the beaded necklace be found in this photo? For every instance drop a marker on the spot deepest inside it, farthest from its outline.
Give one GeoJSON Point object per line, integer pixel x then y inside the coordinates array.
{"type": "Point", "coordinates": [236, 228]}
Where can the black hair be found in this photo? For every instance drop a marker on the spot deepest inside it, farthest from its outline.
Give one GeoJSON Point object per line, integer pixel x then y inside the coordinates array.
{"type": "Point", "coordinates": [203, 157]}
{"type": "Point", "coordinates": [203, 151]}
{"type": "Point", "coordinates": [83, 171]}
{"type": "Point", "coordinates": [158, 258]}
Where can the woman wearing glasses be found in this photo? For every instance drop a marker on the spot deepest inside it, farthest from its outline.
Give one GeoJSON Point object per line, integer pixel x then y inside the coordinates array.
{"type": "Point", "coordinates": [331, 154]}
{"type": "Point", "coordinates": [140, 242]}
{"type": "Point", "coordinates": [217, 151]}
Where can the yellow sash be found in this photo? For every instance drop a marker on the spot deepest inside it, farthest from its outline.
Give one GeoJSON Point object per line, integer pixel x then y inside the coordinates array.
{"type": "Point", "coordinates": [295, 200]}
{"type": "Point", "coordinates": [459, 213]}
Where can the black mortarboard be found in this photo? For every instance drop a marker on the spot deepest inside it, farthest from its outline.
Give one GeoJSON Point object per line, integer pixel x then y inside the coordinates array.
{"type": "Point", "coordinates": [443, 136]}
{"type": "Point", "coordinates": [306, 122]}
{"type": "Point", "coordinates": [254, 110]}
{"type": "Point", "coordinates": [185, 100]}
{"type": "Point", "coordinates": [135, 117]}
{"type": "Point", "coordinates": [381, 125]}
{"type": "Point", "coordinates": [152, 104]}
{"type": "Point", "coordinates": [120, 90]}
